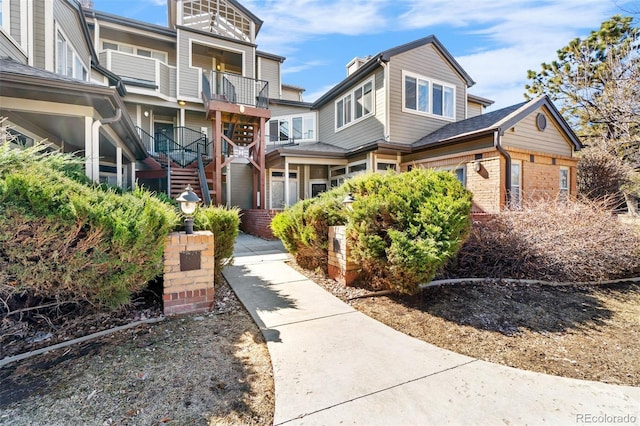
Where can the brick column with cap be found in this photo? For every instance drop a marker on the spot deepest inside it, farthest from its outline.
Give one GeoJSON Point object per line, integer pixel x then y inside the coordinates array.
{"type": "Point", "coordinates": [340, 268]}
{"type": "Point", "coordinates": [188, 273]}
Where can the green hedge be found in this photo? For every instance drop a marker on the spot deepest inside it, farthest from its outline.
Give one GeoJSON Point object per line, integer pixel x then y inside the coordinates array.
{"type": "Point", "coordinates": [303, 228]}
{"type": "Point", "coordinates": [61, 238]}
{"type": "Point", "coordinates": [405, 226]}
{"type": "Point", "coordinates": [224, 224]}
{"type": "Point", "coordinates": [402, 229]}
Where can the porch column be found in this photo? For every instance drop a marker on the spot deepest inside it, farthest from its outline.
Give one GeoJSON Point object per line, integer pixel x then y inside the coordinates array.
{"type": "Point", "coordinates": [119, 167]}
{"type": "Point", "coordinates": [132, 170]}
{"type": "Point", "coordinates": [263, 181]}
{"type": "Point", "coordinates": [217, 144]}
{"type": "Point", "coordinates": [89, 154]}
{"type": "Point", "coordinates": [286, 182]}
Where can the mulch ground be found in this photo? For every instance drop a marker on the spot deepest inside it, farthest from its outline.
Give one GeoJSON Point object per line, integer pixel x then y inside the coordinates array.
{"type": "Point", "coordinates": [200, 369]}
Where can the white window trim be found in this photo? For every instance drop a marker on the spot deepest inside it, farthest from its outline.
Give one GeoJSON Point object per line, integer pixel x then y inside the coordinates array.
{"type": "Point", "coordinates": [58, 30]}
{"type": "Point", "coordinates": [5, 27]}
{"type": "Point", "coordinates": [135, 49]}
{"type": "Point", "coordinates": [290, 118]}
{"type": "Point", "coordinates": [431, 82]}
{"type": "Point", "coordinates": [568, 188]}
{"type": "Point", "coordinates": [352, 93]}
{"type": "Point", "coordinates": [463, 167]}
{"type": "Point", "coordinates": [517, 202]}
{"type": "Point", "coordinates": [318, 182]}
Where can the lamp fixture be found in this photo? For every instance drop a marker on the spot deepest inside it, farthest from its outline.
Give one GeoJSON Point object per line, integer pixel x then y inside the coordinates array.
{"type": "Point", "coordinates": [348, 201]}
{"type": "Point", "coordinates": [188, 204]}
{"type": "Point", "coordinates": [146, 113]}
{"type": "Point", "coordinates": [182, 103]}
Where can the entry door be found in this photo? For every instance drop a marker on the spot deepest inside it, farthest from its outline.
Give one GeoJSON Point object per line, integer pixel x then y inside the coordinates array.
{"type": "Point", "coordinates": [277, 193]}
{"type": "Point", "coordinates": [163, 134]}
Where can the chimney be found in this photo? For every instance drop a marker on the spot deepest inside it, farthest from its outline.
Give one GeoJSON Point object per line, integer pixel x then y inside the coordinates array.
{"type": "Point", "coordinates": [356, 63]}
{"type": "Point", "coordinates": [87, 4]}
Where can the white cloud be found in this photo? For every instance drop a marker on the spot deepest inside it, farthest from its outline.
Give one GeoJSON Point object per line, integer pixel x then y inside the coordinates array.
{"type": "Point", "coordinates": [287, 68]}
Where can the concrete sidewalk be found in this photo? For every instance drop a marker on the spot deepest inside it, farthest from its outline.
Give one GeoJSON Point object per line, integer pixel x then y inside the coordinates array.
{"type": "Point", "coordinates": [334, 365]}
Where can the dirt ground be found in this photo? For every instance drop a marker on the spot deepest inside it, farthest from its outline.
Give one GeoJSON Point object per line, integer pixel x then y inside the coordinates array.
{"type": "Point", "coordinates": [589, 333]}
{"type": "Point", "coordinates": [193, 370]}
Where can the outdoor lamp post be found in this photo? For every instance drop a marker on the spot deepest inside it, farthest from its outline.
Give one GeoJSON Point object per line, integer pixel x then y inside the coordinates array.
{"type": "Point", "coordinates": [188, 203]}
{"type": "Point", "coordinates": [348, 201]}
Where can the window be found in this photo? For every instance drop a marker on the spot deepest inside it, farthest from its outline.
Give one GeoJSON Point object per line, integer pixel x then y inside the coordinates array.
{"type": "Point", "coordinates": [516, 184]}
{"type": "Point", "coordinates": [293, 128]}
{"type": "Point", "coordinates": [355, 106]}
{"type": "Point", "coordinates": [564, 181]}
{"type": "Point", "coordinates": [146, 53]}
{"type": "Point", "coordinates": [318, 188]}
{"type": "Point", "coordinates": [424, 96]}
{"type": "Point", "coordinates": [383, 167]}
{"type": "Point", "coordinates": [68, 62]}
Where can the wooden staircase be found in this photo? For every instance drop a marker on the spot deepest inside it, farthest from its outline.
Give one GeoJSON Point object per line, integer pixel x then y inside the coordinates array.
{"type": "Point", "coordinates": [183, 176]}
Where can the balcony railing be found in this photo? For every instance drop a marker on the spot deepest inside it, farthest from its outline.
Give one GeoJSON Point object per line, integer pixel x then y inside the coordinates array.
{"type": "Point", "coordinates": [183, 145]}
{"type": "Point", "coordinates": [236, 89]}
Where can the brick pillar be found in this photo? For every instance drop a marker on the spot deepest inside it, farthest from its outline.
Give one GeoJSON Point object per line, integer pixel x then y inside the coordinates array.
{"type": "Point", "coordinates": [188, 273]}
{"type": "Point", "coordinates": [340, 268]}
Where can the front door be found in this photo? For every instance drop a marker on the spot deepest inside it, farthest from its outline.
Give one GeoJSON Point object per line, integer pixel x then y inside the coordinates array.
{"type": "Point", "coordinates": [163, 134]}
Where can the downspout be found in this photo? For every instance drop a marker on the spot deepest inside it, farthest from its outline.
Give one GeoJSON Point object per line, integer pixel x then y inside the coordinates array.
{"type": "Point", "coordinates": [95, 141]}
{"type": "Point", "coordinates": [497, 139]}
{"type": "Point", "coordinates": [386, 70]}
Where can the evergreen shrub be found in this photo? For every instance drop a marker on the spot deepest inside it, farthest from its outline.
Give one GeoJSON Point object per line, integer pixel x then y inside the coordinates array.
{"type": "Point", "coordinates": [63, 239]}
{"type": "Point", "coordinates": [402, 228]}
{"type": "Point", "coordinates": [224, 224]}
{"type": "Point", "coordinates": [405, 226]}
{"type": "Point", "coordinates": [304, 227]}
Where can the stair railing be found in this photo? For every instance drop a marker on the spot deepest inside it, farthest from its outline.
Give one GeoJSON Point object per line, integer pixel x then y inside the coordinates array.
{"type": "Point", "coordinates": [204, 185]}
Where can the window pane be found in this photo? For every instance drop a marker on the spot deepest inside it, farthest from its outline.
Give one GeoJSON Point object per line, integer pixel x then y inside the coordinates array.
{"type": "Point", "coordinates": [158, 55]}
{"type": "Point", "coordinates": [107, 45]}
{"type": "Point", "coordinates": [367, 102]}
{"type": "Point", "coordinates": [126, 49]}
{"type": "Point", "coordinates": [437, 99]}
{"type": "Point", "coordinates": [347, 109]}
{"type": "Point", "coordinates": [460, 175]}
{"type": "Point", "coordinates": [145, 53]}
{"type": "Point", "coordinates": [515, 174]}
{"type": "Point", "coordinates": [318, 188]}
{"type": "Point", "coordinates": [423, 96]}
{"type": "Point", "coordinates": [410, 93]}
{"type": "Point", "coordinates": [340, 114]}
{"type": "Point", "coordinates": [273, 130]}
{"type": "Point", "coordinates": [297, 127]}
{"type": "Point", "coordinates": [284, 130]}
{"type": "Point", "coordinates": [308, 128]}
{"type": "Point", "coordinates": [564, 181]}
{"type": "Point", "coordinates": [61, 54]}
{"type": "Point", "coordinates": [359, 106]}
{"type": "Point", "coordinates": [448, 102]}
{"type": "Point", "coordinates": [79, 69]}
{"type": "Point", "coordinates": [69, 71]}
{"type": "Point", "coordinates": [358, 168]}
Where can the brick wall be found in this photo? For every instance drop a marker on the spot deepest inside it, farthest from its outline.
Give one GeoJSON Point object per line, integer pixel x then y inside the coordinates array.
{"type": "Point", "coordinates": [188, 285]}
{"type": "Point", "coordinates": [541, 177]}
{"type": "Point", "coordinates": [487, 183]}
{"type": "Point", "coordinates": [257, 222]}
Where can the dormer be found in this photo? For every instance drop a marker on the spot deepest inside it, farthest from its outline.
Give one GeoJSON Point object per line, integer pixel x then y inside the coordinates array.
{"type": "Point", "coordinates": [226, 18]}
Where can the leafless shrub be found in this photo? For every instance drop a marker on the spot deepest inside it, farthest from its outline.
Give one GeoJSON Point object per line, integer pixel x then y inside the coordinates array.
{"type": "Point", "coordinates": [553, 241]}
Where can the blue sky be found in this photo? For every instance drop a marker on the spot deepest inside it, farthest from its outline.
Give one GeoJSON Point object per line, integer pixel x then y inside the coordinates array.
{"type": "Point", "coordinates": [496, 41]}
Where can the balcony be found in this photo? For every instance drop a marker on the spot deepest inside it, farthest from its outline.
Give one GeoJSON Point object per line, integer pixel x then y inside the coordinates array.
{"type": "Point", "coordinates": [235, 89]}
{"type": "Point", "coordinates": [146, 72]}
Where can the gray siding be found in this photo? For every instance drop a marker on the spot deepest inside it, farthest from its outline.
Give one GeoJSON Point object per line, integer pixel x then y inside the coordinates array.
{"type": "Point", "coordinates": [405, 127]}
{"type": "Point", "coordinates": [189, 78]}
{"type": "Point", "coordinates": [368, 130]}
{"type": "Point", "coordinates": [280, 110]}
{"type": "Point", "coordinates": [8, 48]}
{"type": "Point", "coordinates": [241, 185]}
{"type": "Point", "coordinates": [133, 66]}
{"type": "Point", "coordinates": [14, 25]}
{"type": "Point", "coordinates": [39, 36]}
{"type": "Point", "coordinates": [270, 71]}
{"type": "Point", "coordinates": [68, 20]}
{"type": "Point", "coordinates": [473, 109]}
{"type": "Point", "coordinates": [525, 135]}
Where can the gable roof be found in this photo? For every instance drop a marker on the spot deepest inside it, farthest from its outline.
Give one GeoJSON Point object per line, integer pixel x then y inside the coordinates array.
{"type": "Point", "coordinates": [385, 56]}
{"type": "Point", "coordinates": [493, 121]}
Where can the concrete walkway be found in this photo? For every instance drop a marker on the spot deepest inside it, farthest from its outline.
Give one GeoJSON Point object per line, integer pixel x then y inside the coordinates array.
{"type": "Point", "coordinates": [334, 365]}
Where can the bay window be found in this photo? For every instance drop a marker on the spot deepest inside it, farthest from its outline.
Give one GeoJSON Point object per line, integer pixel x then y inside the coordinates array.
{"type": "Point", "coordinates": [68, 62]}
